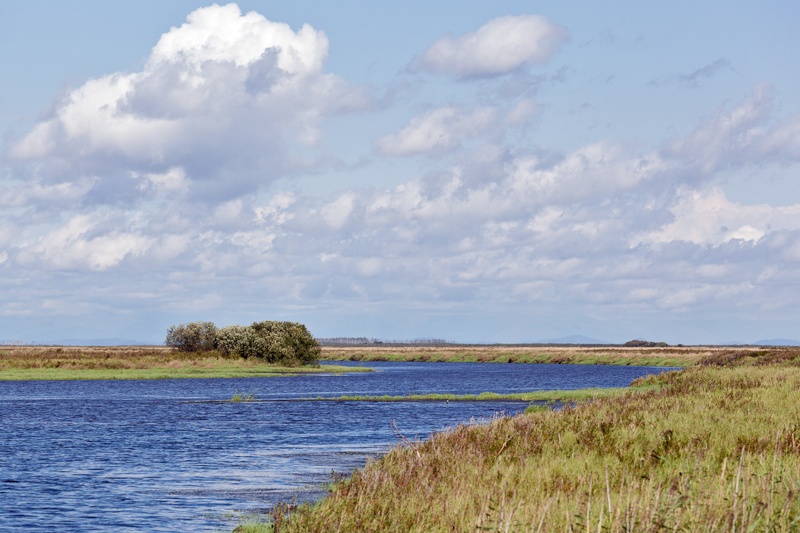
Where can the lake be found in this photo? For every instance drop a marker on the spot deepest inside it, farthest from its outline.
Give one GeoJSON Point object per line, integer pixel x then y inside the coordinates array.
{"type": "Point", "coordinates": [166, 455]}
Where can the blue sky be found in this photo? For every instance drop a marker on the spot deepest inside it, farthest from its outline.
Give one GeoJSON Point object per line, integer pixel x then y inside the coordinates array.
{"type": "Point", "coordinates": [475, 171]}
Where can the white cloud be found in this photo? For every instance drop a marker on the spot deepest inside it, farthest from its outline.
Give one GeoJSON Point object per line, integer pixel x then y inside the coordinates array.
{"type": "Point", "coordinates": [223, 34]}
{"type": "Point", "coordinates": [724, 139]}
{"type": "Point", "coordinates": [437, 131]}
{"type": "Point", "coordinates": [500, 46]}
{"type": "Point", "coordinates": [229, 213]}
{"type": "Point", "coordinates": [173, 180]}
{"type": "Point", "coordinates": [709, 218]}
{"type": "Point", "coordinates": [277, 210]}
{"type": "Point", "coordinates": [337, 212]}
{"type": "Point", "coordinates": [37, 193]}
{"type": "Point", "coordinates": [171, 185]}
{"type": "Point", "coordinates": [595, 169]}
{"type": "Point", "coordinates": [219, 104]}
{"type": "Point", "coordinates": [78, 245]}
{"type": "Point", "coordinates": [738, 137]}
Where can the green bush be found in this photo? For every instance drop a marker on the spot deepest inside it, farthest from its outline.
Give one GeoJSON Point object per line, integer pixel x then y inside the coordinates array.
{"type": "Point", "coordinates": [239, 341]}
{"type": "Point", "coordinates": [286, 343]}
{"type": "Point", "coordinates": [192, 337]}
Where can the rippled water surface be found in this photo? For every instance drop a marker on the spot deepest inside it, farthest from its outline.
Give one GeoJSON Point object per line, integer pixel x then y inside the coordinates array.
{"type": "Point", "coordinates": [158, 456]}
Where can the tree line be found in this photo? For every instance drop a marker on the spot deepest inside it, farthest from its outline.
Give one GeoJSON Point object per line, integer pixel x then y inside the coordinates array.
{"type": "Point", "coordinates": [285, 343]}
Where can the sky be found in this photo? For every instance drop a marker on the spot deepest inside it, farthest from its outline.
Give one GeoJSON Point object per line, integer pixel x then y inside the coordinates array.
{"type": "Point", "coordinates": [484, 172]}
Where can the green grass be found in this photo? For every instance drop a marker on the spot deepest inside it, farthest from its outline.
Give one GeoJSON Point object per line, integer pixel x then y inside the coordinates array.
{"type": "Point", "coordinates": [713, 448]}
{"type": "Point", "coordinates": [242, 397]}
{"type": "Point", "coordinates": [536, 396]}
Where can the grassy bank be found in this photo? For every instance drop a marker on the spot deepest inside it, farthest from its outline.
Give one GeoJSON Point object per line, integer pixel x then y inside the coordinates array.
{"type": "Point", "coordinates": [595, 355]}
{"type": "Point", "coordinates": [537, 396]}
{"type": "Point", "coordinates": [134, 362]}
{"type": "Point", "coordinates": [713, 448]}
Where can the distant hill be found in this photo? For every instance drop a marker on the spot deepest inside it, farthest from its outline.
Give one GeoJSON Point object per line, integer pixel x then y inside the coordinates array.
{"type": "Point", "coordinates": [777, 342]}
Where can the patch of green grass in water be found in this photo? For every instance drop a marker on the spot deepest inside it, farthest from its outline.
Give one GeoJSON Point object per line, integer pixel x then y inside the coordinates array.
{"type": "Point", "coordinates": [242, 397]}
{"type": "Point", "coordinates": [535, 396]}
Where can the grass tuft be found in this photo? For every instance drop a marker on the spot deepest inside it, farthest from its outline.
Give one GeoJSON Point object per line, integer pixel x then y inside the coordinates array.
{"type": "Point", "coordinates": [243, 397]}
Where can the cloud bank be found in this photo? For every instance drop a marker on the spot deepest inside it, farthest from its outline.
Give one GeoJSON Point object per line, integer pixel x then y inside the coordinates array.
{"type": "Point", "coordinates": [168, 191]}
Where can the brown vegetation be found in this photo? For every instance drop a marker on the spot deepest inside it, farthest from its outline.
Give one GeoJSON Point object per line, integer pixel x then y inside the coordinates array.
{"type": "Point", "coordinates": [98, 357]}
{"type": "Point", "coordinates": [617, 355]}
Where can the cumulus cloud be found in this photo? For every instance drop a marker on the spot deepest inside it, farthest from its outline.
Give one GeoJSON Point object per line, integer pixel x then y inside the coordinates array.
{"type": "Point", "coordinates": [220, 101]}
{"type": "Point", "coordinates": [437, 131]}
{"type": "Point", "coordinates": [171, 179]}
{"type": "Point", "coordinates": [710, 218]}
{"type": "Point", "coordinates": [76, 245]}
{"type": "Point", "coordinates": [500, 46]}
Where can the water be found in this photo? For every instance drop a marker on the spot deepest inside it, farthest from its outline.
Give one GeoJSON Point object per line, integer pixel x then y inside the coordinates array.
{"type": "Point", "coordinates": [159, 456]}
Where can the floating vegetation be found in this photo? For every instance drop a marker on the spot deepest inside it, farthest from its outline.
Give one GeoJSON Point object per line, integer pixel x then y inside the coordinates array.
{"type": "Point", "coordinates": [243, 397]}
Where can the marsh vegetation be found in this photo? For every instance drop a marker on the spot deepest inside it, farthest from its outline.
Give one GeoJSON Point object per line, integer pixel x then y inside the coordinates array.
{"type": "Point", "coordinates": [276, 342]}
{"type": "Point", "coordinates": [715, 447]}
{"type": "Point", "coordinates": [591, 355]}
{"type": "Point", "coordinates": [135, 362]}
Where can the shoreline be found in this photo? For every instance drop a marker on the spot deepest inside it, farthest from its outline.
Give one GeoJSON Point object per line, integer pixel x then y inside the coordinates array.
{"type": "Point", "coordinates": [46, 363]}
{"type": "Point", "coordinates": [633, 461]}
{"type": "Point", "coordinates": [682, 356]}
{"type": "Point", "coordinates": [69, 363]}
{"type": "Point", "coordinates": [158, 373]}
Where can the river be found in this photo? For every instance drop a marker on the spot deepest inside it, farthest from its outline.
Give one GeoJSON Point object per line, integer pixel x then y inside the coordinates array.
{"type": "Point", "coordinates": [168, 455]}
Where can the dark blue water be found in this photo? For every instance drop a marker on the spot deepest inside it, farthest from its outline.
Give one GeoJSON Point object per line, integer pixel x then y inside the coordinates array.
{"type": "Point", "coordinates": [157, 456]}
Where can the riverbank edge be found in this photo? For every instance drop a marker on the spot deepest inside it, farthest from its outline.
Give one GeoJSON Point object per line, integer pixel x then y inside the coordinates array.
{"type": "Point", "coordinates": [543, 397]}
{"type": "Point", "coordinates": [560, 395]}
{"type": "Point", "coordinates": [663, 465]}
{"type": "Point", "coordinates": [158, 373]}
{"type": "Point", "coordinates": [678, 356]}
{"type": "Point", "coordinates": [33, 363]}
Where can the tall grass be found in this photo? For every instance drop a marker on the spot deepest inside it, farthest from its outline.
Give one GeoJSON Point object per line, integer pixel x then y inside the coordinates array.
{"type": "Point", "coordinates": [605, 355]}
{"type": "Point", "coordinates": [711, 448]}
{"type": "Point", "coordinates": [133, 362]}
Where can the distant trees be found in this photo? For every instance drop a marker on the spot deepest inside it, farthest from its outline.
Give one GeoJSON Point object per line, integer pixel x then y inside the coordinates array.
{"type": "Point", "coordinates": [636, 343]}
{"type": "Point", "coordinates": [286, 343]}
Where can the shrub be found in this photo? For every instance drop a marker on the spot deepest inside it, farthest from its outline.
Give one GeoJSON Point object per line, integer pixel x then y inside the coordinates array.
{"type": "Point", "coordinates": [237, 340]}
{"type": "Point", "coordinates": [286, 343]}
{"type": "Point", "coordinates": [192, 337]}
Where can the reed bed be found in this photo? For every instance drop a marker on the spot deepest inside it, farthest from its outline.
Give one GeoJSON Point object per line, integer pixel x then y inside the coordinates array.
{"type": "Point", "coordinates": [715, 447]}
{"type": "Point", "coordinates": [592, 355]}
{"type": "Point", "coordinates": [133, 362]}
